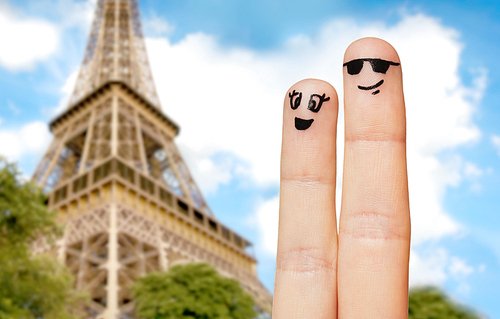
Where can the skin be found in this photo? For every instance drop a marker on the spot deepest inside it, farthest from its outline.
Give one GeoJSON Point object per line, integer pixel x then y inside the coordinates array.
{"type": "Point", "coordinates": [361, 271]}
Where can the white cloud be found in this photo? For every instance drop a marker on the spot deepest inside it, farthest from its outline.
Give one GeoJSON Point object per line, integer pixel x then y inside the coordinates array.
{"type": "Point", "coordinates": [459, 269]}
{"type": "Point", "coordinates": [436, 266]}
{"type": "Point", "coordinates": [212, 171]}
{"type": "Point", "coordinates": [267, 218]}
{"type": "Point", "coordinates": [75, 13]}
{"type": "Point", "coordinates": [65, 13]}
{"type": "Point", "coordinates": [495, 140]}
{"type": "Point", "coordinates": [221, 100]}
{"type": "Point", "coordinates": [472, 171]}
{"type": "Point", "coordinates": [32, 139]}
{"type": "Point", "coordinates": [25, 41]}
{"type": "Point", "coordinates": [66, 91]}
{"type": "Point", "coordinates": [428, 269]}
{"type": "Point", "coordinates": [428, 179]}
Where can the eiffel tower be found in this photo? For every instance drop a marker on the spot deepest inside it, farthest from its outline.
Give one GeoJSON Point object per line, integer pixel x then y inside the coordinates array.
{"type": "Point", "coordinates": [119, 184]}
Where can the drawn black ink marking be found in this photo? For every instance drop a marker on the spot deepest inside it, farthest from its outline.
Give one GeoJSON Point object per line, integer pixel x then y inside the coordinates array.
{"type": "Point", "coordinates": [367, 88]}
{"type": "Point", "coordinates": [295, 103]}
{"type": "Point", "coordinates": [316, 101]}
{"type": "Point", "coordinates": [378, 65]}
{"type": "Point", "coordinates": [301, 124]}
{"type": "Point", "coordinates": [314, 105]}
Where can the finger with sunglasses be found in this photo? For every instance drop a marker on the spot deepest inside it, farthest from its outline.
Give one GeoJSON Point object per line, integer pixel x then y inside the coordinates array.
{"type": "Point", "coordinates": [361, 271]}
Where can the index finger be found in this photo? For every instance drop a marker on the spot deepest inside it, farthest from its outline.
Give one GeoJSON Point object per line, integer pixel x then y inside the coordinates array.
{"type": "Point", "coordinates": [305, 284]}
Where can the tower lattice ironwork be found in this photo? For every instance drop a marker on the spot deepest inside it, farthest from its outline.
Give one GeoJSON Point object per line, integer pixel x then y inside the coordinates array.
{"type": "Point", "coordinates": [118, 182]}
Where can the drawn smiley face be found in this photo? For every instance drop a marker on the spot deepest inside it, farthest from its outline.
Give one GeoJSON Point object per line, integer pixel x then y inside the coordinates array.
{"type": "Point", "coordinates": [378, 66]}
{"type": "Point", "coordinates": [314, 105]}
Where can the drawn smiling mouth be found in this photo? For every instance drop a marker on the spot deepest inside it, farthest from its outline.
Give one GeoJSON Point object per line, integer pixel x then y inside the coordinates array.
{"type": "Point", "coordinates": [301, 124]}
{"type": "Point", "coordinates": [367, 88]}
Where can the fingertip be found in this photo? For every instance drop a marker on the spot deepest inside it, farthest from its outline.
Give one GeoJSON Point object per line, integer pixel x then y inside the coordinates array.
{"type": "Point", "coordinates": [371, 47]}
{"type": "Point", "coordinates": [373, 91]}
{"type": "Point", "coordinates": [309, 127]}
{"type": "Point", "coordinates": [309, 105]}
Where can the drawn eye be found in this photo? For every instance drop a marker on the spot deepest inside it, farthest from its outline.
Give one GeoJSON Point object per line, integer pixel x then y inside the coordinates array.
{"type": "Point", "coordinates": [354, 66]}
{"type": "Point", "coordinates": [295, 99]}
{"type": "Point", "coordinates": [380, 66]}
{"type": "Point", "coordinates": [316, 101]}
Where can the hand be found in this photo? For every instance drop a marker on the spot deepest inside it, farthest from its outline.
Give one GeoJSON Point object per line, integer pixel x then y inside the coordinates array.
{"type": "Point", "coordinates": [363, 271]}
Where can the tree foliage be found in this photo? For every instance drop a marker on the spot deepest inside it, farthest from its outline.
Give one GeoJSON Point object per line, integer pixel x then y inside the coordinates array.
{"type": "Point", "coordinates": [23, 213]}
{"type": "Point", "coordinates": [194, 291]}
{"type": "Point", "coordinates": [30, 286]}
{"type": "Point", "coordinates": [431, 303]}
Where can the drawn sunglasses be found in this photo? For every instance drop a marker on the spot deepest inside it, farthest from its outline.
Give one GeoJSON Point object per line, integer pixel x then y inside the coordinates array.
{"type": "Point", "coordinates": [378, 65]}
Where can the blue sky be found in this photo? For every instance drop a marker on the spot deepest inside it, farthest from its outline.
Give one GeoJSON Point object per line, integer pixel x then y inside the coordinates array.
{"type": "Point", "coordinates": [221, 69]}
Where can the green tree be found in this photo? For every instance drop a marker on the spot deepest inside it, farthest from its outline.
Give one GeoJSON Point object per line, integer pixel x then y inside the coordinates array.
{"type": "Point", "coordinates": [432, 303]}
{"type": "Point", "coordinates": [194, 291]}
{"type": "Point", "coordinates": [30, 286]}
